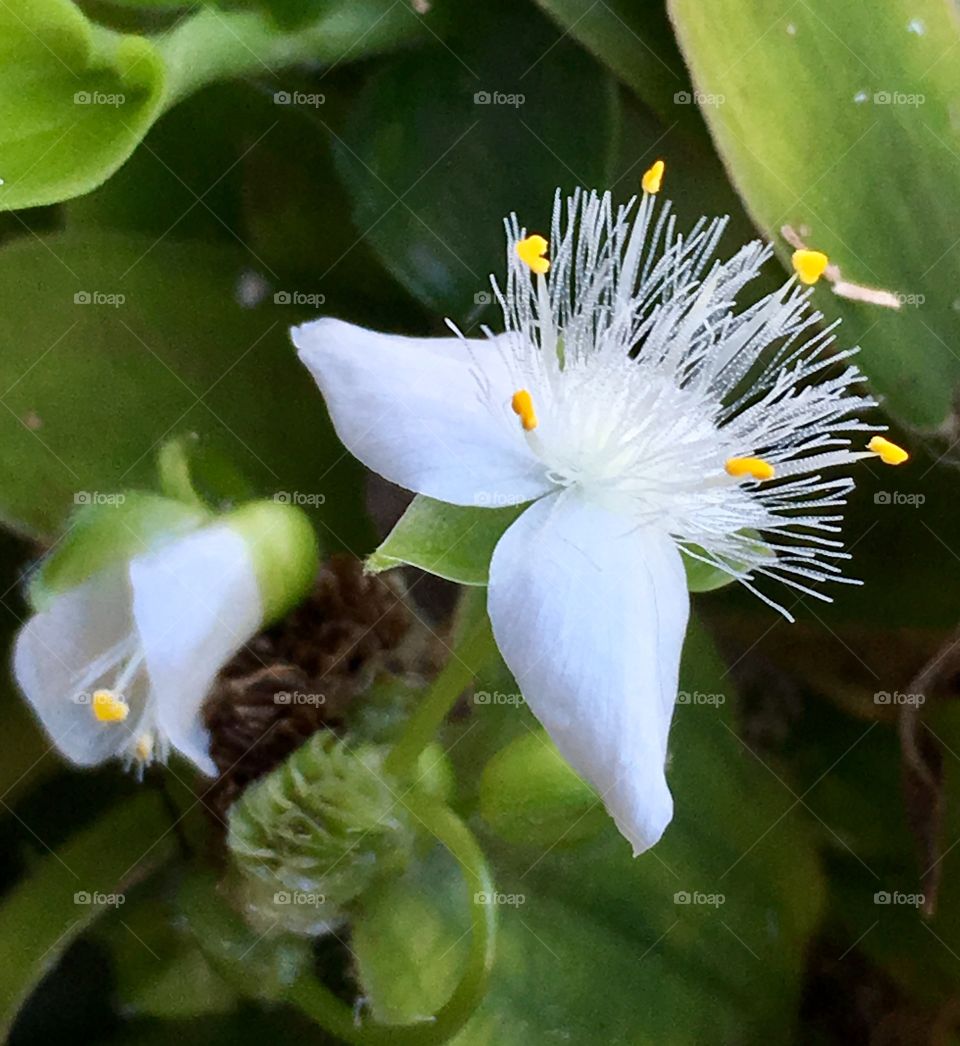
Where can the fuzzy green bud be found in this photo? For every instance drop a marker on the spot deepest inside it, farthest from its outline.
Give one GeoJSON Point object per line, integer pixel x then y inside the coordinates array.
{"type": "Point", "coordinates": [315, 834]}
{"type": "Point", "coordinates": [530, 795]}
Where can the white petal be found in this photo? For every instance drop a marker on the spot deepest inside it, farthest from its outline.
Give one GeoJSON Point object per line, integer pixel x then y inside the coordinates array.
{"type": "Point", "coordinates": [196, 601]}
{"type": "Point", "coordinates": [69, 650]}
{"type": "Point", "coordinates": [414, 410]}
{"type": "Point", "coordinates": [590, 613]}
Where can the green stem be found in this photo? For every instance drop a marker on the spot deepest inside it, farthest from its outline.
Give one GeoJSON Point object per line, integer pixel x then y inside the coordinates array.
{"type": "Point", "coordinates": [469, 656]}
{"type": "Point", "coordinates": [314, 999]}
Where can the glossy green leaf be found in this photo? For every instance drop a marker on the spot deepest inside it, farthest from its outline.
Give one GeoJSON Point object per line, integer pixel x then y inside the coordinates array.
{"type": "Point", "coordinates": [701, 939]}
{"type": "Point", "coordinates": [77, 98]}
{"type": "Point", "coordinates": [72, 887]}
{"type": "Point", "coordinates": [112, 345]}
{"type": "Point", "coordinates": [635, 40]}
{"type": "Point", "coordinates": [442, 146]}
{"type": "Point", "coordinates": [853, 97]}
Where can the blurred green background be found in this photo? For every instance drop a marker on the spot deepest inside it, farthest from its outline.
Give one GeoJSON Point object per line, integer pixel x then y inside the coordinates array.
{"type": "Point", "coordinates": [182, 183]}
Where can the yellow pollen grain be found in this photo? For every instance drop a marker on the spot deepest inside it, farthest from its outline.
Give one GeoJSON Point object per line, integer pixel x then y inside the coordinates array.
{"type": "Point", "coordinates": [108, 708]}
{"type": "Point", "coordinates": [889, 453]}
{"type": "Point", "coordinates": [522, 404]}
{"type": "Point", "coordinates": [755, 468]}
{"type": "Point", "coordinates": [531, 251]}
{"type": "Point", "coordinates": [809, 265]}
{"type": "Point", "coordinates": [144, 748]}
{"type": "Point", "coordinates": [653, 177]}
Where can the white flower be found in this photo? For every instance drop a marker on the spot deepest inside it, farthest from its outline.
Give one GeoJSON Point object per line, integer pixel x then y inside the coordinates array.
{"type": "Point", "coordinates": [628, 401]}
{"type": "Point", "coordinates": [119, 664]}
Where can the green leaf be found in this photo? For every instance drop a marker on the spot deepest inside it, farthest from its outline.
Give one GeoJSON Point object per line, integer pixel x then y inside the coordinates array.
{"type": "Point", "coordinates": [169, 977]}
{"type": "Point", "coordinates": [265, 965]}
{"type": "Point", "coordinates": [451, 541]}
{"type": "Point", "coordinates": [636, 42]}
{"type": "Point", "coordinates": [77, 98]}
{"type": "Point", "coordinates": [595, 945]}
{"type": "Point", "coordinates": [881, 105]}
{"type": "Point", "coordinates": [498, 126]}
{"type": "Point", "coordinates": [112, 345]}
{"type": "Point", "coordinates": [71, 888]}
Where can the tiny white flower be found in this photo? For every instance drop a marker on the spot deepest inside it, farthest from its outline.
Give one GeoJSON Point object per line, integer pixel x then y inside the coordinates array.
{"type": "Point", "coordinates": [628, 401]}
{"type": "Point", "coordinates": [119, 664]}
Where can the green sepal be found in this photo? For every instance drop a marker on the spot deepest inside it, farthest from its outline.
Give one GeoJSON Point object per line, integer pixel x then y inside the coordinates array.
{"type": "Point", "coordinates": [456, 542]}
{"type": "Point", "coordinates": [452, 541]}
{"type": "Point", "coordinates": [108, 530]}
{"type": "Point", "coordinates": [705, 577]}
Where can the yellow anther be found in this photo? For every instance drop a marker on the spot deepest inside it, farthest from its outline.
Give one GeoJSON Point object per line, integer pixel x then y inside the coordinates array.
{"type": "Point", "coordinates": [522, 404]}
{"type": "Point", "coordinates": [531, 251]}
{"type": "Point", "coordinates": [755, 468]}
{"type": "Point", "coordinates": [653, 177]}
{"type": "Point", "coordinates": [809, 265]}
{"type": "Point", "coordinates": [889, 453]}
{"type": "Point", "coordinates": [144, 748]}
{"type": "Point", "coordinates": [109, 708]}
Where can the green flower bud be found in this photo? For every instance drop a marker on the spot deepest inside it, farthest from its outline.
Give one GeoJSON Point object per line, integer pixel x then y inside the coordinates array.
{"type": "Point", "coordinates": [283, 546]}
{"type": "Point", "coordinates": [530, 795]}
{"type": "Point", "coordinates": [435, 776]}
{"type": "Point", "coordinates": [316, 833]}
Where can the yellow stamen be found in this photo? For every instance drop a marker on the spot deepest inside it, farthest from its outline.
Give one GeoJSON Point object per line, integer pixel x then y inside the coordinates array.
{"type": "Point", "coordinates": [531, 251]}
{"type": "Point", "coordinates": [144, 748]}
{"type": "Point", "coordinates": [653, 177]}
{"type": "Point", "coordinates": [889, 453]}
{"type": "Point", "coordinates": [522, 404]}
{"type": "Point", "coordinates": [809, 265]}
{"type": "Point", "coordinates": [756, 468]}
{"type": "Point", "coordinates": [108, 708]}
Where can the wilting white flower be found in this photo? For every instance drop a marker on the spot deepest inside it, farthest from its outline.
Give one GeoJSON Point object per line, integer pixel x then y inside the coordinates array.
{"type": "Point", "coordinates": [629, 402]}
{"type": "Point", "coordinates": [120, 663]}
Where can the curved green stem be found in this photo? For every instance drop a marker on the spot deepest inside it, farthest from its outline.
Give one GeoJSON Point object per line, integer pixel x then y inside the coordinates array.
{"type": "Point", "coordinates": [468, 657]}
{"type": "Point", "coordinates": [314, 999]}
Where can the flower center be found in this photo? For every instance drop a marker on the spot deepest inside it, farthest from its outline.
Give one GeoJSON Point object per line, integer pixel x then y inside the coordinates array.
{"type": "Point", "coordinates": [110, 705]}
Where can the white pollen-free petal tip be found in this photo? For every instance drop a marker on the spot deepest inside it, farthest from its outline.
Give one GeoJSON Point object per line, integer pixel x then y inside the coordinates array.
{"type": "Point", "coordinates": [589, 613]}
{"type": "Point", "coordinates": [196, 602]}
{"type": "Point", "coordinates": [415, 411]}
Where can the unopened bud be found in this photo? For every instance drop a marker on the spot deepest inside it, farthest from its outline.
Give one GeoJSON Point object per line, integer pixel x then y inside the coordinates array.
{"type": "Point", "coordinates": [530, 795]}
